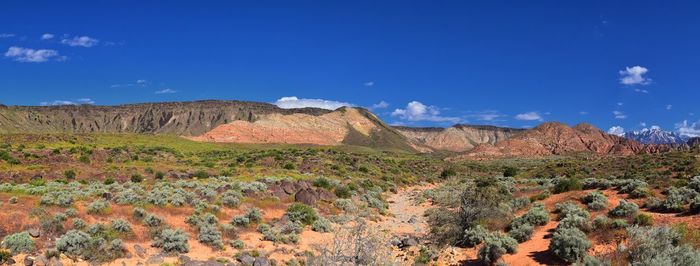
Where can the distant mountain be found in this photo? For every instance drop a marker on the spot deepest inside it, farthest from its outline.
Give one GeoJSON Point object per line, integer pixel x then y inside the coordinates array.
{"type": "Point", "coordinates": [554, 138]}
{"type": "Point", "coordinates": [655, 135]}
{"type": "Point", "coordinates": [457, 138]}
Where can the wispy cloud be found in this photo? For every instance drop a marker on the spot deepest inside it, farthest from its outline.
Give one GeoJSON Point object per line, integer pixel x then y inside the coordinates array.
{"type": "Point", "coordinates": [379, 105]}
{"type": "Point", "coordinates": [529, 116]}
{"type": "Point", "coordinates": [165, 91]}
{"type": "Point", "coordinates": [81, 41]}
{"type": "Point", "coordinates": [669, 107]}
{"type": "Point", "coordinates": [67, 102]}
{"type": "Point", "coordinates": [688, 129]}
{"type": "Point", "coordinates": [6, 35]}
{"type": "Point", "coordinates": [583, 113]}
{"type": "Point", "coordinates": [369, 84]}
{"type": "Point", "coordinates": [27, 55]}
{"type": "Point", "coordinates": [47, 36]}
{"type": "Point", "coordinates": [616, 130]}
{"type": "Point", "coordinates": [641, 91]}
{"type": "Point", "coordinates": [619, 114]}
{"type": "Point", "coordinates": [634, 76]}
{"type": "Point", "coordinates": [486, 115]}
{"type": "Point", "coordinates": [294, 102]}
{"type": "Point", "coordinates": [417, 111]}
{"type": "Point", "coordinates": [138, 82]}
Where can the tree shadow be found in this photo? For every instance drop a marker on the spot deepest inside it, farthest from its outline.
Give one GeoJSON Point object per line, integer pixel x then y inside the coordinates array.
{"type": "Point", "coordinates": [546, 258]}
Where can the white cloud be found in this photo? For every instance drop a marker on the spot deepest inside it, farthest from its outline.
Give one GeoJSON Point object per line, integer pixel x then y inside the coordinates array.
{"type": "Point", "coordinates": [487, 115]}
{"type": "Point", "coordinates": [47, 36]}
{"type": "Point", "coordinates": [616, 130]}
{"type": "Point", "coordinates": [379, 105]}
{"type": "Point", "coordinates": [688, 129]}
{"type": "Point", "coordinates": [165, 91]}
{"type": "Point", "coordinates": [643, 124]}
{"type": "Point", "coordinates": [416, 111]}
{"type": "Point", "coordinates": [6, 35]}
{"type": "Point", "coordinates": [83, 41]}
{"type": "Point", "coordinates": [294, 102]}
{"type": "Point", "coordinates": [529, 116]}
{"type": "Point", "coordinates": [668, 107]}
{"type": "Point", "coordinates": [139, 82]}
{"type": "Point", "coordinates": [65, 102]}
{"type": "Point", "coordinates": [620, 104]}
{"type": "Point", "coordinates": [369, 84]}
{"type": "Point", "coordinates": [27, 55]}
{"type": "Point", "coordinates": [583, 113]}
{"type": "Point", "coordinates": [641, 91]}
{"type": "Point", "coordinates": [142, 82]}
{"type": "Point", "coordinates": [634, 76]}
{"type": "Point", "coordinates": [619, 115]}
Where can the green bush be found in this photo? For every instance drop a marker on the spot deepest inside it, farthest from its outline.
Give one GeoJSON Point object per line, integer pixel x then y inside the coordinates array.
{"type": "Point", "coordinates": [73, 243]}
{"type": "Point", "coordinates": [18, 243]}
{"type": "Point", "coordinates": [120, 225]}
{"type": "Point", "coordinates": [495, 246]}
{"type": "Point", "coordinates": [567, 184]}
{"type": "Point", "coordinates": [79, 223]}
{"type": "Point", "coordinates": [152, 221]}
{"type": "Point", "coordinates": [522, 232]}
{"type": "Point", "coordinates": [323, 182]}
{"type": "Point", "coordinates": [98, 207]}
{"type": "Point", "coordinates": [510, 172]}
{"type": "Point", "coordinates": [69, 174]}
{"type": "Point", "coordinates": [343, 192]}
{"type": "Point", "coordinates": [172, 241]}
{"type": "Point", "coordinates": [474, 235]}
{"type": "Point", "coordinates": [299, 212]}
{"type": "Point", "coordinates": [624, 209]}
{"type": "Point", "coordinates": [136, 178]}
{"type": "Point", "coordinates": [643, 220]}
{"type": "Point", "coordinates": [322, 225]}
{"type": "Point", "coordinates": [210, 235]}
{"type": "Point", "coordinates": [569, 244]}
{"type": "Point", "coordinates": [659, 246]}
{"type": "Point", "coordinates": [595, 200]}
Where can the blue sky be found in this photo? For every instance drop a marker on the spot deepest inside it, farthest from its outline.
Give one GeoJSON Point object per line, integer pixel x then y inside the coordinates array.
{"type": "Point", "coordinates": [509, 63]}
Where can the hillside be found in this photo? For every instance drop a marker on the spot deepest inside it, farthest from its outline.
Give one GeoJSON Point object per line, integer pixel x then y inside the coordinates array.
{"type": "Point", "coordinates": [214, 121]}
{"type": "Point", "coordinates": [554, 138]}
{"type": "Point", "coordinates": [457, 138]}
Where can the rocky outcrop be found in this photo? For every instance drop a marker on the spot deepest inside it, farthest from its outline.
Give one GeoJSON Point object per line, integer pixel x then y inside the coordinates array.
{"type": "Point", "coordinates": [694, 143]}
{"type": "Point", "coordinates": [457, 138]}
{"type": "Point", "coordinates": [554, 138]}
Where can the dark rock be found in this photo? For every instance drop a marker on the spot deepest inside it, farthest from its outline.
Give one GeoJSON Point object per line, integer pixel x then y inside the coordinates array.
{"type": "Point", "coordinates": [184, 259]}
{"type": "Point", "coordinates": [34, 232]}
{"type": "Point", "coordinates": [107, 195]}
{"type": "Point", "coordinates": [409, 241]}
{"type": "Point", "coordinates": [37, 176]}
{"type": "Point", "coordinates": [223, 188]}
{"type": "Point", "coordinates": [139, 251]}
{"type": "Point", "coordinates": [55, 262]}
{"type": "Point", "coordinates": [288, 187]}
{"type": "Point", "coordinates": [28, 261]}
{"type": "Point", "coordinates": [246, 259]}
{"type": "Point", "coordinates": [395, 241]}
{"type": "Point", "coordinates": [261, 261]}
{"type": "Point", "coordinates": [11, 261]}
{"type": "Point", "coordinates": [41, 261]}
{"type": "Point", "coordinates": [413, 220]}
{"type": "Point", "coordinates": [277, 191]}
{"type": "Point", "coordinates": [307, 196]}
{"type": "Point", "coordinates": [325, 195]}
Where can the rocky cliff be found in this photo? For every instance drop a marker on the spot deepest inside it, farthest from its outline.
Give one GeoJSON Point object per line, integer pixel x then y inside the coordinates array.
{"type": "Point", "coordinates": [554, 138]}
{"type": "Point", "coordinates": [457, 138]}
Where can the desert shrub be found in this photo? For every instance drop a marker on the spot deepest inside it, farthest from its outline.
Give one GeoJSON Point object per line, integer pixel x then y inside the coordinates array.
{"type": "Point", "coordinates": [359, 244]}
{"type": "Point", "coordinates": [18, 243]}
{"type": "Point", "coordinates": [475, 235]}
{"type": "Point", "coordinates": [159, 175]}
{"type": "Point", "coordinates": [484, 200]}
{"type": "Point", "coordinates": [5, 256]}
{"type": "Point", "coordinates": [445, 226]}
{"type": "Point", "coordinates": [230, 199]}
{"type": "Point", "coordinates": [569, 244]}
{"type": "Point", "coordinates": [510, 171]}
{"type": "Point", "coordinates": [570, 208]}
{"type": "Point", "coordinates": [643, 220]}
{"type": "Point", "coordinates": [592, 261]}
{"type": "Point", "coordinates": [237, 244]}
{"type": "Point", "coordinates": [601, 222]}
{"type": "Point", "coordinates": [120, 225]}
{"type": "Point", "coordinates": [291, 227]}
{"type": "Point", "coordinates": [152, 221]}
{"type": "Point", "coordinates": [136, 178]}
{"type": "Point", "coordinates": [619, 223]}
{"type": "Point", "coordinates": [139, 213]}
{"type": "Point", "coordinates": [129, 196]}
{"type": "Point", "coordinates": [537, 215]}
{"type": "Point", "coordinates": [640, 192]}
{"type": "Point", "coordinates": [299, 212]}
{"type": "Point", "coordinates": [575, 221]}
{"type": "Point", "coordinates": [567, 184]}
{"type": "Point", "coordinates": [596, 183]}
{"type": "Point", "coordinates": [263, 227]}
{"type": "Point", "coordinates": [659, 246]}
{"type": "Point", "coordinates": [519, 203]}
{"type": "Point", "coordinates": [495, 246]}
{"type": "Point", "coordinates": [694, 184]}
{"type": "Point", "coordinates": [629, 185]}
{"type": "Point", "coordinates": [73, 243]}
{"type": "Point", "coordinates": [654, 204]}
{"type": "Point", "coordinates": [172, 241]}
{"type": "Point", "coordinates": [240, 220]}
{"type": "Point", "coordinates": [522, 232]}
{"type": "Point", "coordinates": [210, 235]}
{"type": "Point", "coordinates": [344, 204]}
{"type": "Point", "coordinates": [70, 212]}
{"type": "Point", "coordinates": [595, 200]}
{"type": "Point", "coordinates": [58, 197]}
{"type": "Point", "coordinates": [343, 192]}
{"type": "Point", "coordinates": [79, 223]}
{"type": "Point", "coordinates": [624, 209]}
{"type": "Point", "coordinates": [98, 207]}
{"type": "Point", "coordinates": [322, 225]}
{"type": "Point", "coordinates": [69, 174]}
{"type": "Point", "coordinates": [254, 215]}
{"type": "Point", "coordinates": [695, 206]}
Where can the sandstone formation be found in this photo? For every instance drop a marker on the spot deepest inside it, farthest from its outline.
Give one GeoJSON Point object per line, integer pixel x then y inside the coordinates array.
{"type": "Point", "coordinates": [457, 138]}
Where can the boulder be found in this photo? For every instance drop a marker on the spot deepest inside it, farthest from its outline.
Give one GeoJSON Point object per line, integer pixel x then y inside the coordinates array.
{"type": "Point", "coordinates": [288, 187]}
{"type": "Point", "coordinates": [29, 261]}
{"type": "Point", "coordinates": [307, 196]}
{"type": "Point", "coordinates": [155, 259]}
{"type": "Point", "coordinates": [261, 261]}
{"type": "Point", "coordinates": [325, 195]}
{"type": "Point", "coordinates": [107, 196]}
{"type": "Point", "coordinates": [34, 232]}
{"type": "Point", "coordinates": [139, 251]}
{"type": "Point", "coordinates": [246, 260]}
